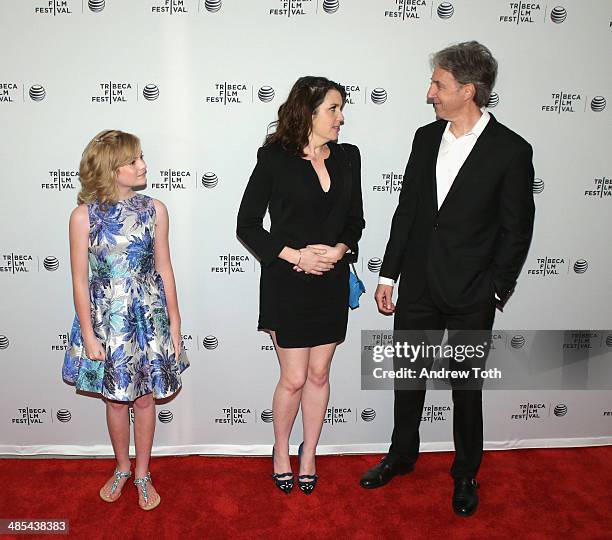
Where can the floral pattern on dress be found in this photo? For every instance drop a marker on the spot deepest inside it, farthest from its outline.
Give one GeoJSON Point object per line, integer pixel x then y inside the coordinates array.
{"type": "Point", "coordinates": [129, 313]}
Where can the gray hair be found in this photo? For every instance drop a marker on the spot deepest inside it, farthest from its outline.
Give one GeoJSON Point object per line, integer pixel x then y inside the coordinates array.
{"type": "Point", "coordinates": [469, 62]}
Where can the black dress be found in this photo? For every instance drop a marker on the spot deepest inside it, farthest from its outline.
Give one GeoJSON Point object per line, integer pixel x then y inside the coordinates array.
{"type": "Point", "coordinates": [305, 310]}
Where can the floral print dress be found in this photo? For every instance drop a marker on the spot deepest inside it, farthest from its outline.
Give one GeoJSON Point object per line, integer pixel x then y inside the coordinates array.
{"type": "Point", "coordinates": [128, 308]}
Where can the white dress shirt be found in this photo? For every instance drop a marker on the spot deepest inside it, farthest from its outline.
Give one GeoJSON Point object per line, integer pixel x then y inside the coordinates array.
{"type": "Point", "coordinates": [451, 156]}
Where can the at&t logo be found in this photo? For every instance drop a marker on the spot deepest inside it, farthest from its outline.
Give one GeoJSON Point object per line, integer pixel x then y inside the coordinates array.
{"type": "Point", "coordinates": [375, 264]}
{"type": "Point", "coordinates": [170, 7]}
{"type": "Point", "coordinates": [233, 416]}
{"type": "Point", "coordinates": [10, 92]}
{"type": "Point", "coordinates": [50, 263]}
{"type": "Point", "coordinates": [581, 266]}
{"type": "Point", "coordinates": [358, 93]}
{"type": "Point", "coordinates": [61, 180]}
{"type": "Point", "coordinates": [165, 416]}
{"type": "Point", "coordinates": [331, 6]}
{"type": "Point", "coordinates": [4, 343]}
{"type": "Point", "coordinates": [538, 185]}
{"type": "Point", "coordinates": [378, 96]}
{"type": "Point", "coordinates": [210, 342]}
{"type": "Point", "coordinates": [560, 409]}
{"type": "Point", "coordinates": [368, 415]}
{"type": "Point", "coordinates": [517, 342]}
{"type": "Point", "coordinates": [265, 94]}
{"type": "Point", "coordinates": [598, 103]}
{"type": "Point", "coordinates": [210, 180]}
{"type": "Point", "coordinates": [493, 100]}
{"type": "Point", "coordinates": [558, 14]}
{"type": "Point", "coordinates": [445, 10]}
{"type": "Point", "coordinates": [96, 6]}
{"type": "Point", "coordinates": [37, 92]}
{"type": "Point", "coordinates": [63, 415]}
{"type": "Point", "coordinates": [150, 92]}
{"type": "Point", "coordinates": [390, 182]}
{"type": "Point", "coordinates": [267, 416]}
{"type": "Point", "coordinates": [212, 6]}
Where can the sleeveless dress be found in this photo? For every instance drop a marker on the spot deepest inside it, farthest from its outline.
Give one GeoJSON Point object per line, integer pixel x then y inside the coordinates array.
{"type": "Point", "coordinates": [128, 309]}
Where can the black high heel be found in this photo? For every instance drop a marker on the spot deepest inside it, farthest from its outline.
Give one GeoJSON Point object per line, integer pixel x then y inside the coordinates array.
{"type": "Point", "coordinates": [284, 484]}
{"type": "Point", "coordinates": [306, 482]}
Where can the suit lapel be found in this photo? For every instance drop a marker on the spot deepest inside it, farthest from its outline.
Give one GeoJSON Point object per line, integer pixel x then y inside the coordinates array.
{"type": "Point", "coordinates": [435, 145]}
{"type": "Point", "coordinates": [482, 146]}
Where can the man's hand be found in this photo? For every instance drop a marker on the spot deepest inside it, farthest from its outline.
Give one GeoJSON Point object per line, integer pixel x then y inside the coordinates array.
{"type": "Point", "coordinates": [384, 299]}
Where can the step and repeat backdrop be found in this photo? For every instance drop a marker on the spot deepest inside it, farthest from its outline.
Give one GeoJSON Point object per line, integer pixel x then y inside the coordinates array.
{"type": "Point", "coordinates": [199, 81]}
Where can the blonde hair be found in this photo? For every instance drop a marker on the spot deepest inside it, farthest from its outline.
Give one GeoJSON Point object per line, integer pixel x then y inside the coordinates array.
{"type": "Point", "coordinates": [105, 153]}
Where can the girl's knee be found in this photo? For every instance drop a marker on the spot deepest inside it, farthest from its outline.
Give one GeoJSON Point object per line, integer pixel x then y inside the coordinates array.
{"type": "Point", "coordinates": [144, 402]}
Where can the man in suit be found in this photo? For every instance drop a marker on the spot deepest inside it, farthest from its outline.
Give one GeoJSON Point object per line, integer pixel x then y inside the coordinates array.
{"type": "Point", "coordinates": [459, 237]}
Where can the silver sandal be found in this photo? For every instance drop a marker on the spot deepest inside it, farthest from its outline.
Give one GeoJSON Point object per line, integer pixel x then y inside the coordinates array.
{"type": "Point", "coordinates": [142, 484]}
{"type": "Point", "coordinates": [118, 476]}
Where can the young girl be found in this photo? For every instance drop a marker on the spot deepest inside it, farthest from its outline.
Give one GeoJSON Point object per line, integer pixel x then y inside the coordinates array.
{"type": "Point", "coordinates": [125, 342]}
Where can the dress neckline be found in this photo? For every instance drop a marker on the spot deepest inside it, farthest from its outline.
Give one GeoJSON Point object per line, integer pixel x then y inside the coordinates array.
{"type": "Point", "coordinates": [329, 146]}
{"type": "Point", "coordinates": [129, 198]}
{"type": "Point", "coordinates": [325, 164]}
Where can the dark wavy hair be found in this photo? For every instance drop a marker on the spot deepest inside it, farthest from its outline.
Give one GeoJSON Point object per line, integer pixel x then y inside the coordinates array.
{"type": "Point", "coordinates": [294, 122]}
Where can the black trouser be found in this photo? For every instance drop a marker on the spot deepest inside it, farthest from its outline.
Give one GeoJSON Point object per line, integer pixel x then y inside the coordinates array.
{"type": "Point", "coordinates": [467, 403]}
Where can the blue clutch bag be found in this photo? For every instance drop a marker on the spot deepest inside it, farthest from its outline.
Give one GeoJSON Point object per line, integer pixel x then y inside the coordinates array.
{"type": "Point", "coordinates": [91, 376]}
{"type": "Point", "coordinates": [356, 288]}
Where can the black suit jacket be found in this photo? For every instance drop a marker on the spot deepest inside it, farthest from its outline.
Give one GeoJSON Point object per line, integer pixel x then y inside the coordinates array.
{"type": "Point", "coordinates": [475, 245]}
{"type": "Point", "coordinates": [288, 186]}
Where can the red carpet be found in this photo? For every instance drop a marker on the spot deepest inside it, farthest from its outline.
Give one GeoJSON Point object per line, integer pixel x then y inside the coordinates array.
{"type": "Point", "coordinates": [525, 494]}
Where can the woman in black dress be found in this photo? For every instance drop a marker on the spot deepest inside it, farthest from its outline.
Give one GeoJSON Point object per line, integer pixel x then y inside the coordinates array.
{"type": "Point", "coordinates": [312, 188]}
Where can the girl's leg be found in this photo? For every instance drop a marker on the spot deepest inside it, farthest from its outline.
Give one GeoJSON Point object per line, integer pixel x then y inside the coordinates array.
{"type": "Point", "coordinates": [315, 397]}
{"type": "Point", "coordinates": [286, 401]}
{"type": "Point", "coordinates": [144, 429]}
{"type": "Point", "coordinates": [118, 422]}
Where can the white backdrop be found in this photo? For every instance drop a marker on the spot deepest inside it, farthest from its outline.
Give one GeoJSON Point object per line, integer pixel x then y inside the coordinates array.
{"type": "Point", "coordinates": [199, 81]}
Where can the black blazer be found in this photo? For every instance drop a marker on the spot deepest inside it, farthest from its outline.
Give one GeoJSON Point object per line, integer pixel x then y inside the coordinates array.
{"type": "Point", "coordinates": [288, 185]}
{"type": "Point", "coordinates": [476, 244]}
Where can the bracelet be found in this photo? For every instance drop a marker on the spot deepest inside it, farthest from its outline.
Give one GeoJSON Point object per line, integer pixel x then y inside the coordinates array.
{"type": "Point", "coordinates": [299, 259]}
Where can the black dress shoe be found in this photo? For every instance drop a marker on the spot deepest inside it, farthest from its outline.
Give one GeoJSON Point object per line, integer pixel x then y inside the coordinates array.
{"type": "Point", "coordinates": [465, 497]}
{"type": "Point", "coordinates": [306, 482]}
{"type": "Point", "coordinates": [382, 474]}
{"type": "Point", "coordinates": [283, 481]}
